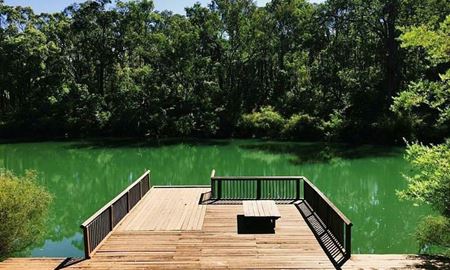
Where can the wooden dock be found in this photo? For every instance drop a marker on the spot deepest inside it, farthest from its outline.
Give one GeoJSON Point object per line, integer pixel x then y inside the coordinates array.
{"type": "Point", "coordinates": [169, 229]}
{"type": "Point", "coordinates": [188, 228]}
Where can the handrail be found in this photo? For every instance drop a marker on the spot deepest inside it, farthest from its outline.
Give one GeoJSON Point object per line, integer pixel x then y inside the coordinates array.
{"type": "Point", "coordinates": [91, 218]}
{"type": "Point", "coordinates": [98, 226]}
{"type": "Point", "coordinates": [325, 198]}
{"type": "Point", "coordinates": [275, 178]}
{"type": "Point", "coordinates": [255, 187]}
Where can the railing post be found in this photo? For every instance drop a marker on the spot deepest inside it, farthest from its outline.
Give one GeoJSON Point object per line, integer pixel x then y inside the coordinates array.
{"type": "Point", "coordinates": [87, 245]}
{"type": "Point", "coordinates": [111, 217]}
{"type": "Point", "coordinates": [297, 189]}
{"type": "Point", "coordinates": [348, 240]}
{"type": "Point", "coordinates": [219, 189]}
{"type": "Point", "coordinates": [213, 184]}
{"type": "Point", "coordinates": [128, 201]}
{"type": "Point", "coordinates": [258, 189]}
{"type": "Point", "coordinates": [149, 182]}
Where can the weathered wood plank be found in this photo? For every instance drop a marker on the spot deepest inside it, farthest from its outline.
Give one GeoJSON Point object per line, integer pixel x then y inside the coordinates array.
{"type": "Point", "coordinates": [167, 209]}
{"type": "Point", "coordinates": [260, 208]}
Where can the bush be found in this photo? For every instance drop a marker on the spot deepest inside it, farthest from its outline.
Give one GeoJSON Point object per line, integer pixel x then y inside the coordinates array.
{"type": "Point", "coordinates": [434, 232]}
{"type": "Point", "coordinates": [303, 126]}
{"type": "Point", "coordinates": [264, 123]}
{"type": "Point", "coordinates": [333, 129]}
{"type": "Point", "coordinates": [24, 208]}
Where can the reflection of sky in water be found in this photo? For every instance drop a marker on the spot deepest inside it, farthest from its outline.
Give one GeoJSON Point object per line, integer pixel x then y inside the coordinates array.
{"type": "Point", "coordinates": [60, 248]}
{"type": "Point", "coordinates": [361, 181]}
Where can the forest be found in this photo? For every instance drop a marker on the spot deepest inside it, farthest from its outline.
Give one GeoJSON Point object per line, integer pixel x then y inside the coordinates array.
{"type": "Point", "coordinates": [342, 70]}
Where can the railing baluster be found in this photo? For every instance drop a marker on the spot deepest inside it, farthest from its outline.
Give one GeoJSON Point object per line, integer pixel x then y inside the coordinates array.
{"type": "Point", "coordinates": [258, 189]}
{"type": "Point", "coordinates": [219, 189]}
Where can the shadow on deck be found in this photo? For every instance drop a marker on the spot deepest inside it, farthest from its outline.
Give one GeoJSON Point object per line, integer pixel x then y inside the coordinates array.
{"type": "Point", "coordinates": [334, 250]}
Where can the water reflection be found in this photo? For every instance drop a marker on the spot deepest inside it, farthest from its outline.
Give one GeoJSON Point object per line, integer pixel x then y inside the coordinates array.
{"type": "Point", "coordinates": [83, 176]}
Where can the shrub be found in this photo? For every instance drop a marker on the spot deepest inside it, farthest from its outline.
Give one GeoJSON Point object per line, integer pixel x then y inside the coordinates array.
{"type": "Point", "coordinates": [303, 126]}
{"type": "Point", "coordinates": [434, 231]}
{"type": "Point", "coordinates": [24, 208]}
{"type": "Point", "coordinates": [333, 129]}
{"type": "Point", "coordinates": [264, 123]}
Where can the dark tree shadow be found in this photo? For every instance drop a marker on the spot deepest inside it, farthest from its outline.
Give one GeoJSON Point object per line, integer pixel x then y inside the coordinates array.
{"type": "Point", "coordinates": [322, 152]}
{"type": "Point", "coordinates": [143, 143]}
{"type": "Point", "coordinates": [432, 262]}
{"type": "Point", "coordinates": [329, 243]}
{"type": "Point", "coordinates": [31, 140]}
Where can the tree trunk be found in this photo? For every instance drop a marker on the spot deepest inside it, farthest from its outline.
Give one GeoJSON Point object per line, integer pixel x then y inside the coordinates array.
{"type": "Point", "coordinates": [392, 49]}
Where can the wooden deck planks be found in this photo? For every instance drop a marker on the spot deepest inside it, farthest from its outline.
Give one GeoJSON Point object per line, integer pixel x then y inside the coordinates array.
{"type": "Point", "coordinates": [31, 263]}
{"type": "Point", "coordinates": [215, 246]}
{"type": "Point", "coordinates": [167, 209]}
{"type": "Point", "coordinates": [167, 260]}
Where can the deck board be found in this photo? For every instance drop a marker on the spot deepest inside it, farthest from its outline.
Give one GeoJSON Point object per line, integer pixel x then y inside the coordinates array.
{"type": "Point", "coordinates": [31, 263]}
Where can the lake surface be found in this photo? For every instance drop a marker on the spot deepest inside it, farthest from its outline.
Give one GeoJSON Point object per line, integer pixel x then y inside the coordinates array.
{"type": "Point", "coordinates": [84, 175]}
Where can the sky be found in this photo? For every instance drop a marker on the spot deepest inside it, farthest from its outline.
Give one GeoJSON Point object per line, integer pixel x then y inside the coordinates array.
{"type": "Point", "coordinates": [50, 6]}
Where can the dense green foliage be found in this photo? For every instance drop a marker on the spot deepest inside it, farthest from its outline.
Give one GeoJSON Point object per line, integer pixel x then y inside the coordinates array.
{"type": "Point", "coordinates": [426, 102]}
{"type": "Point", "coordinates": [24, 207]}
{"type": "Point", "coordinates": [102, 68]}
{"type": "Point", "coordinates": [429, 183]}
{"type": "Point", "coordinates": [426, 105]}
{"type": "Point", "coordinates": [264, 123]}
{"type": "Point", "coordinates": [430, 180]}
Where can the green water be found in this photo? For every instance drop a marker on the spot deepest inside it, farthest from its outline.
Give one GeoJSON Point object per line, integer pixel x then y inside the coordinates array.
{"type": "Point", "coordinates": [83, 176]}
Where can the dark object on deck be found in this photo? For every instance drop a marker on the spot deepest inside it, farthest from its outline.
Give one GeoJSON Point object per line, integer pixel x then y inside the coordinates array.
{"type": "Point", "coordinates": [255, 225]}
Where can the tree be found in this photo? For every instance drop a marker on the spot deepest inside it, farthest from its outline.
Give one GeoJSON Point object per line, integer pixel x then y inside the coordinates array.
{"type": "Point", "coordinates": [426, 102]}
{"type": "Point", "coordinates": [120, 68]}
{"type": "Point", "coordinates": [24, 207]}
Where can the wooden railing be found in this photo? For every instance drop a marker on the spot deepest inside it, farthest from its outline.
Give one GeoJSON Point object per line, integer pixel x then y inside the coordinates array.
{"type": "Point", "coordinates": [334, 220]}
{"type": "Point", "coordinates": [285, 188]}
{"type": "Point", "coordinates": [99, 225]}
{"type": "Point", "coordinates": [255, 187]}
